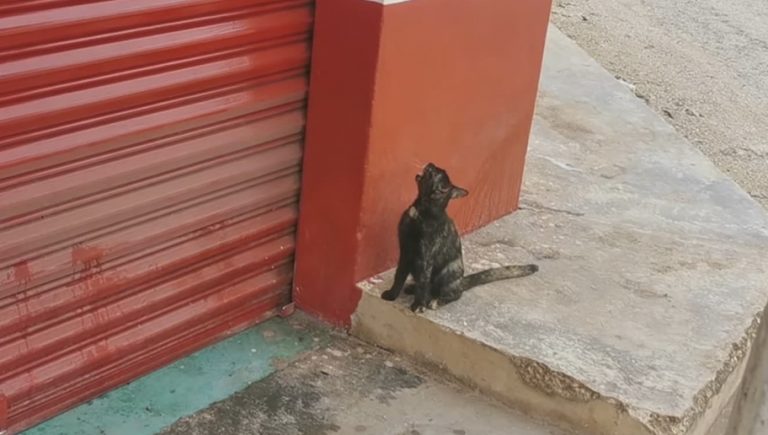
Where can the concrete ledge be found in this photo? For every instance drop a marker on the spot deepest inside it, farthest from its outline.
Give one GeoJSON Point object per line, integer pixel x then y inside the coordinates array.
{"type": "Point", "coordinates": [652, 272]}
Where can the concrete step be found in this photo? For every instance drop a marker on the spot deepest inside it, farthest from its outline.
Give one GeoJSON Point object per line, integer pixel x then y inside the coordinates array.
{"type": "Point", "coordinates": [652, 277]}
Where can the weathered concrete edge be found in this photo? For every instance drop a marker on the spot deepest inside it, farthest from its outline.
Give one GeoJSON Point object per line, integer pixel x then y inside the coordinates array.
{"type": "Point", "coordinates": [711, 401]}
{"type": "Point", "coordinates": [533, 387]}
{"type": "Point", "coordinates": [524, 384]}
{"type": "Point", "coordinates": [749, 415]}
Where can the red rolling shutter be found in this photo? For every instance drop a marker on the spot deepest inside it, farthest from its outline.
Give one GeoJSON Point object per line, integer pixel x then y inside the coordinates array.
{"type": "Point", "coordinates": [149, 171]}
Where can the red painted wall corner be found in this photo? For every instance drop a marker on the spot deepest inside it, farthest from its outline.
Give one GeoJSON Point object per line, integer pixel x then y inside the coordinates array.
{"type": "Point", "coordinates": [344, 61]}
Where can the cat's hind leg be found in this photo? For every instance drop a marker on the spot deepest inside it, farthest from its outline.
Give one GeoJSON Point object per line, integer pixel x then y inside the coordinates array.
{"type": "Point", "coordinates": [450, 293]}
{"type": "Point", "coordinates": [446, 283]}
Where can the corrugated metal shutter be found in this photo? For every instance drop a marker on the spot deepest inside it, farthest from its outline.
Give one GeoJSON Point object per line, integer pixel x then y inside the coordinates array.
{"type": "Point", "coordinates": [149, 171]}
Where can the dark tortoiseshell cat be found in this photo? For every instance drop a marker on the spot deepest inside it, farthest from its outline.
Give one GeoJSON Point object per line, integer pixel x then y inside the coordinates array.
{"type": "Point", "coordinates": [430, 248]}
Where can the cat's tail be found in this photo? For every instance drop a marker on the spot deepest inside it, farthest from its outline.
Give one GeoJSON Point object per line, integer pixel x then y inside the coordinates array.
{"type": "Point", "coordinates": [497, 274]}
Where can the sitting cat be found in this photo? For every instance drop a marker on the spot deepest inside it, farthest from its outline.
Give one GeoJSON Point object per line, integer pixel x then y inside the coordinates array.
{"type": "Point", "coordinates": [430, 247]}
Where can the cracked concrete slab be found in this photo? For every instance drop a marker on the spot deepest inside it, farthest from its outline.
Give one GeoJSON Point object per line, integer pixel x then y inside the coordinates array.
{"type": "Point", "coordinates": [652, 272]}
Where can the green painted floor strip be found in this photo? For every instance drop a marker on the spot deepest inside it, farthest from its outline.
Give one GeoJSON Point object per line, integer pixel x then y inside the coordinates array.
{"type": "Point", "coordinates": [189, 385]}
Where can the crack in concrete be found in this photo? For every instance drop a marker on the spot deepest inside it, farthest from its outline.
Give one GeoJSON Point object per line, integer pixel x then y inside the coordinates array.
{"type": "Point", "coordinates": [532, 206]}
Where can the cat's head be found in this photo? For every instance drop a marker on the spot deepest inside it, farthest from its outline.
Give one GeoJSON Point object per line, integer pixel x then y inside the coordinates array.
{"type": "Point", "coordinates": [436, 187]}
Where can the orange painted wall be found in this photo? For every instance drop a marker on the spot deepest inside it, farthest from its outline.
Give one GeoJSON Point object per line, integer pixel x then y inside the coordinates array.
{"type": "Point", "coordinates": [456, 85]}
{"type": "Point", "coordinates": [393, 87]}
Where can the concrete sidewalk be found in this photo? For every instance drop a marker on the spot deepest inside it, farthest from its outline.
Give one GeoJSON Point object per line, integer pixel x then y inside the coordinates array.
{"type": "Point", "coordinates": [347, 387]}
{"type": "Point", "coordinates": [652, 273]}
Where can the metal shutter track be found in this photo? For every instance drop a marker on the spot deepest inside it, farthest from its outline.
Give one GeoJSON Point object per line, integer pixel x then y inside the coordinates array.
{"type": "Point", "coordinates": [149, 172]}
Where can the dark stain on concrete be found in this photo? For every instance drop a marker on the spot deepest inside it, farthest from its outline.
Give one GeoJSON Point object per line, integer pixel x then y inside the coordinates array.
{"type": "Point", "coordinates": [304, 397]}
{"type": "Point", "coordinates": [391, 380]}
{"type": "Point", "coordinates": [269, 407]}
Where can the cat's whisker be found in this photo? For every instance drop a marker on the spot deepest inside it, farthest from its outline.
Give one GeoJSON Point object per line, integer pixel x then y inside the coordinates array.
{"type": "Point", "coordinates": [416, 163]}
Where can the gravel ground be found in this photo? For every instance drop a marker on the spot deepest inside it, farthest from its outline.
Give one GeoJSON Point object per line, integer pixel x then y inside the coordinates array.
{"type": "Point", "coordinates": [703, 64]}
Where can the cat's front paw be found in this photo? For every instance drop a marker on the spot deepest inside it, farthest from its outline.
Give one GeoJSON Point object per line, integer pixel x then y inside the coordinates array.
{"type": "Point", "coordinates": [417, 307]}
{"type": "Point", "coordinates": [389, 295]}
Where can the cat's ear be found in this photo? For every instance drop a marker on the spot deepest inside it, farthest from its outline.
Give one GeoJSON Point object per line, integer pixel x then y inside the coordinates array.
{"type": "Point", "coordinates": [458, 192]}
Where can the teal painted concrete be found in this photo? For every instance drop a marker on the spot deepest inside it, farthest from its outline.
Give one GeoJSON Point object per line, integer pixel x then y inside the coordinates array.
{"type": "Point", "coordinates": [212, 374]}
